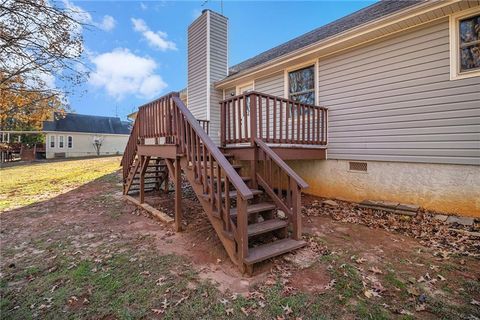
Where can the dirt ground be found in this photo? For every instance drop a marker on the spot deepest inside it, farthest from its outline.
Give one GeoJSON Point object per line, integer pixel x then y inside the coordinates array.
{"type": "Point", "coordinates": [88, 253]}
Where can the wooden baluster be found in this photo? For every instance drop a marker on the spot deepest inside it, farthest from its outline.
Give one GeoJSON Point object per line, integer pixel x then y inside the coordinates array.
{"type": "Point", "coordinates": [223, 124]}
{"type": "Point", "coordinates": [297, 137]}
{"type": "Point", "coordinates": [260, 117]}
{"type": "Point", "coordinates": [287, 113]}
{"type": "Point", "coordinates": [205, 170]}
{"type": "Point", "coordinates": [267, 108]}
{"type": "Point", "coordinates": [245, 117]}
{"type": "Point", "coordinates": [281, 118]}
{"type": "Point", "coordinates": [211, 181]}
{"type": "Point", "coordinates": [234, 122]}
{"type": "Point", "coordinates": [199, 158]}
{"type": "Point", "coordinates": [229, 123]}
{"type": "Point", "coordinates": [219, 190]}
{"type": "Point", "coordinates": [309, 117]}
{"type": "Point", "coordinates": [228, 226]}
{"type": "Point", "coordinates": [303, 111]}
{"type": "Point", "coordinates": [275, 120]}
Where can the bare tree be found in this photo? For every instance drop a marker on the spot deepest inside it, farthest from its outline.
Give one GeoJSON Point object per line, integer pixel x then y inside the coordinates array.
{"type": "Point", "coordinates": [40, 42]}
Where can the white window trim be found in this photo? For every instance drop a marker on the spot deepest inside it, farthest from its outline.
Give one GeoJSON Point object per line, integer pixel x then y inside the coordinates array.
{"type": "Point", "coordinates": [245, 84]}
{"type": "Point", "coordinates": [297, 67]}
{"type": "Point", "coordinates": [454, 45]}
{"type": "Point", "coordinates": [67, 142]}
{"type": "Point", "coordinates": [61, 139]}
{"type": "Point", "coordinates": [52, 138]}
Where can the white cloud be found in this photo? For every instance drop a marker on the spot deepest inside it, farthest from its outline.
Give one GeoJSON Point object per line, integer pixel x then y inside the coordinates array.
{"type": "Point", "coordinates": [123, 73]}
{"type": "Point", "coordinates": [143, 6]}
{"type": "Point", "coordinates": [157, 39]}
{"type": "Point", "coordinates": [107, 23]}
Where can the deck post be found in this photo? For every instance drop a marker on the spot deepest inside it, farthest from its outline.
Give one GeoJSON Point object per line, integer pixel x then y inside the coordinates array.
{"type": "Point", "coordinates": [253, 137]}
{"type": "Point", "coordinates": [142, 180]}
{"type": "Point", "coordinates": [242, 229]}
{"type": "Point", "coordinates": [297, 208]}
{"type": "Point", "coordinates": [178, 196]}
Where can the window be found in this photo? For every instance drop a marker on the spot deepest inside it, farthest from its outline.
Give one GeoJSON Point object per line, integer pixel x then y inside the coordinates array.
{"type": "Point", "coordinates": [465, 44]}
{"type": "Point", "coordinates": [70, 142]}
{"type": "Point", "coordinates": [469, 35]}
{"type": "Point", "coordinates": [52, 141]}
{"type": "Point", "coordinates": [60, 141]}
{"type": "Point", "coordinates": [301, 85]}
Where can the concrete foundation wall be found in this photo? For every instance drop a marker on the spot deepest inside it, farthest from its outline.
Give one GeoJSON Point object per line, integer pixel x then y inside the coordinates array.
{"type": "Point", "coordinates": [440, 187]}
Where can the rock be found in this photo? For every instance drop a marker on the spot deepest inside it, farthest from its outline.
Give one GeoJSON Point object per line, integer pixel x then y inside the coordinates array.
{"type": "Point", "coordinates": [303, 259]}
{"type": "Point", "coordinates": [330, 203]}
{"type": "Point", "coordinates": [440, 217]}
{"type": "Point", "coordinates": [408, 207]}
{"type": "Point", "coordinates": [406, 213]}
{"type": "Point", "coordinates": [464, 221]}
{"type": "Point", "coordinates": [281, 214]}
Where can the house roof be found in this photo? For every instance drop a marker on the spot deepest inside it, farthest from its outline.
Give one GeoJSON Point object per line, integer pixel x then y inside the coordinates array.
{"type": "Point", "coordinates": [368, 14]}
{"type": "Point", "coordinates": [73, 122]}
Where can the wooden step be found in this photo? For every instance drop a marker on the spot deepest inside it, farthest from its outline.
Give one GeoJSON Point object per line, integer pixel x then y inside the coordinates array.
{"type": "Point", "coordinates": [273, 249]}
{"type": "Point", "coordinates": [233, 194]}
{"type": "Point", "coordinates": [255, 229]}
{"type": "Point", "coordinates": [235, 166]}
{"type": "Point", "coordinates": [255, 208]}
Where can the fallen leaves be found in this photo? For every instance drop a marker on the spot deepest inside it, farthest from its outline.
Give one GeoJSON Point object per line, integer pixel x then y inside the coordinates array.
{"type": "Point", "coordinates": [375, 270]}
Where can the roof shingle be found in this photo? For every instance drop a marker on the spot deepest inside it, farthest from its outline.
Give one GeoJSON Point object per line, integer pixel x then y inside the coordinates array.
{"type": "Point", "coordinates": [73, 122]}
{"type": "Point", "coordinates": [368, 14]}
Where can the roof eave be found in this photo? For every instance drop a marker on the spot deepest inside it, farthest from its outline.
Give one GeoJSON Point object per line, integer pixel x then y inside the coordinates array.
{"type": "Point", "coordinates": [341, 37]}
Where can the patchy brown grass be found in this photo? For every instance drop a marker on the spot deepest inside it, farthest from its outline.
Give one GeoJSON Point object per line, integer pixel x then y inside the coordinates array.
{"type": "Point", "coordinates": [88, 254]}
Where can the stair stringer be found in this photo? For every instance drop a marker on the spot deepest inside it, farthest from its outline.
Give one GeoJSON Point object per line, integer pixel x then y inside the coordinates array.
{"type": "Point", "coordinates": [228, 243]}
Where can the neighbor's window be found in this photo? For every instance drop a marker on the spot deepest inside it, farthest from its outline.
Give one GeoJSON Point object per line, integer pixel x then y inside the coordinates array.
{"type": "Point", "coordinates": [70, 141]}
{"type": "Point", "coordinates": [52, 141]}
{"type": "Point", "coordinates": [60, 141]}
{"type": "Point", "coordinates": [301, 85]}
{"type": "Point", "coordinates": [469, 36]}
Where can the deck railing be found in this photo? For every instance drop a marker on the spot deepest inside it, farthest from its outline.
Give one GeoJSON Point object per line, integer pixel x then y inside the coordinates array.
{"type": "Point", "coordinates": [271, 119]}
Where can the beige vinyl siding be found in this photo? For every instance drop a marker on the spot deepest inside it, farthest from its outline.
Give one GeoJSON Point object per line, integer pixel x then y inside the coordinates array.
{"type": "Point", "coordinates": [197, 71]}
{"type": "Point", "coordinates": [393, 100]}
{"type": "Point", "coordinates": [273, 84]}
{"type": "Point", "coordinates": [218, 69]}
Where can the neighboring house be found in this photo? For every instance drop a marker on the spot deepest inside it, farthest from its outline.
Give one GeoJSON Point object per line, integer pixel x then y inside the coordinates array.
{"type": "Point", "coordinates": [78, 135]}
{"type": "Point", "coordinates": [401, 81]}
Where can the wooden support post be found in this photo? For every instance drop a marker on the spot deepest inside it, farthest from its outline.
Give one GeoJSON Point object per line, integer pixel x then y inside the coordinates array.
{"type": "Point", "coordinates": [297, 208]}
{"type": "Point", "coordinates": [178, 196]}
{"type": "Point", "coordinates": [144, 160]}
{"type": "Point", "coordinates": [242, 229]}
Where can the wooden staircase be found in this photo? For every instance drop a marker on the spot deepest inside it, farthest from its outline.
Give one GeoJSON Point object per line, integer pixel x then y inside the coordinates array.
{"type": "Point", "coordinates": [254, 206]}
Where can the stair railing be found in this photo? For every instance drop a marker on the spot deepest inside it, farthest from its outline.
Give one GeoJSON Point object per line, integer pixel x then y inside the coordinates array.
{"type": "Point", "coordinates": [281, 183]}
{"type": "Point", "coordinates": [168, 117]}
{"type": "Point", "coordinates": [130, 151]}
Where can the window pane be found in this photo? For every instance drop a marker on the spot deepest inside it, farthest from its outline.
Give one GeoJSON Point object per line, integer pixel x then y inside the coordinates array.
{"type": "Point", "coordinates": [470, 58]}
{"type": "Point", "coordinates": [470, 30]}
{"type": "Point", "coordinates": [301, 80]}
{"type": "Point", "coordinates": [469, 43]}
{"type": "Point", "coordinates": [307, 98]}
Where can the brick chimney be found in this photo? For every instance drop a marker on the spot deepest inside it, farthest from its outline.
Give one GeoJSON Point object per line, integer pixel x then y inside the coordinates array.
{"type": "Point", "coordinates": [207, 63]}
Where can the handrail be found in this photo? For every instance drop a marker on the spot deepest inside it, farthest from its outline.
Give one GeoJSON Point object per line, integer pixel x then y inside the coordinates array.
{"type": "Point", "coordinates": [266, 95]}
{"type": "Point", "coordinates": [229, 171]}
{"type": "Point", "coordinates": [282, 164]}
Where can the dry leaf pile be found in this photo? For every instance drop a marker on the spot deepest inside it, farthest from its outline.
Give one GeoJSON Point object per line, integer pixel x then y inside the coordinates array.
{"type": "Point", "coordinates": [435, 234]}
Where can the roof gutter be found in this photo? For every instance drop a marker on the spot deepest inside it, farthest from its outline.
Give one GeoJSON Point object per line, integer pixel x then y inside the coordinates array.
{"type": "Point", "coordinates": [341, 37]}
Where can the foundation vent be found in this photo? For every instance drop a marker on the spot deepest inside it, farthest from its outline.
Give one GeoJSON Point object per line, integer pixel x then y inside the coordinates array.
{"type": "Point", "coordinates": [357, 166]}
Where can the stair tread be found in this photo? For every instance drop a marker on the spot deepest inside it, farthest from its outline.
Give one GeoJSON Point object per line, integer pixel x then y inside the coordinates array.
{"type": "Point", "coordinates": [266, 226]}
{"type": "Point", "coordinates": [273, 249]}
{"type": "Point", "coordinates": [254, 208]}
{"type": "Point", "coordinates": [233, 193]}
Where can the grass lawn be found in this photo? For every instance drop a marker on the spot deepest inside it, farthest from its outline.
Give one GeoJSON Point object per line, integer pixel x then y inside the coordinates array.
{"type": "Point", "coordinates": [25, 184]}
{"type": "Point", "coordinates": [83, 253]}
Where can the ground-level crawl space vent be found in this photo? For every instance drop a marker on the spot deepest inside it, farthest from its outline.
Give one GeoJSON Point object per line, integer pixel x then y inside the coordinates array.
{"type": "Point", "coordinates": [357, 166]}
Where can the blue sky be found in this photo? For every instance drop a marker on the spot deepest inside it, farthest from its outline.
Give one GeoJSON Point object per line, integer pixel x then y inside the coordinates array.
{"type": "Point", "coordinates": [136, 50]}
